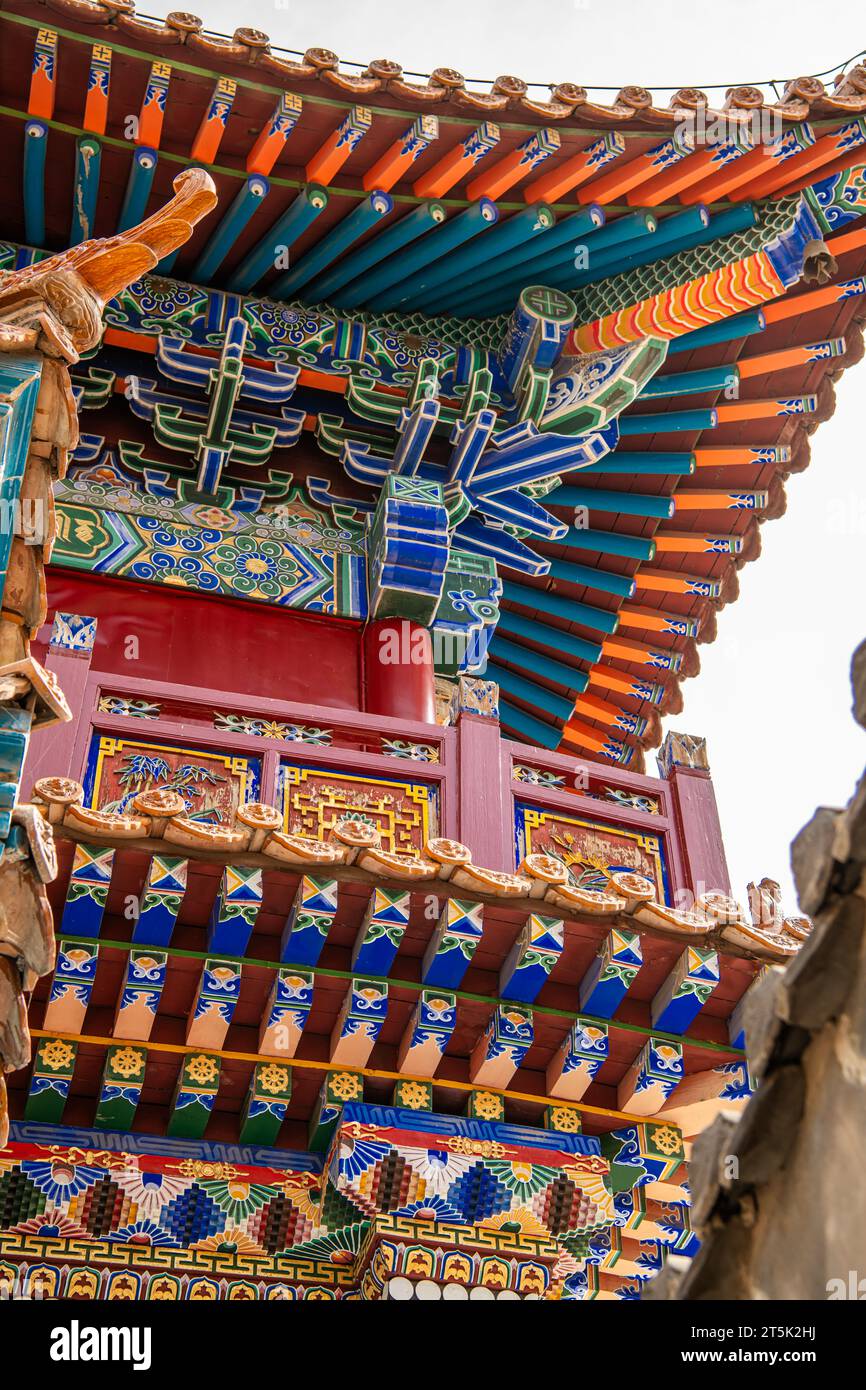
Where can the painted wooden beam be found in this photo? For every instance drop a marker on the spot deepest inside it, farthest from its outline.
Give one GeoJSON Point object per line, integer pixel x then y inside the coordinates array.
{"type": "Point", "coordinates": [624, 683]}
{"type": "Point", "coordinates": [246, 203]}
{"type": "Point", "coordinates": [71, 987]}
{"type": "Point", "coordinates": [208, 137]}
{"type": "Point", "coordinates": [216, 999]}
{"type": "Point", "coordinates": [332, 245]}
{"type": "Point", "coordinates": [695, 543]}
{"type": "Point", "coordinates": [272, 137]}
{"type": "Point", "coordinates": [562, 606]}
{"type": "Point", "coordinates": [665, 185]}
{"type": "Point", "coordinates": [451, 947]}
{"type": "Point", "coordinates": [652, 1078]}
{"type": "Point", "coordinates": [841, 141]}
{"type": "Point", "coordinates": [399, 157]}
{"type": "Point", "coordinates": [576, 734]}
{"type": "Point", "coordinates": [578, 1060]}
{"type": "Point", "coordinates": [359, 1023]}
{"type": "Point", "coordinates": [458, 162]}
{"type": "Point", "coordinates": [138, 186]}
{"type": "Point", "coordinates": [337, 1088]}
{"type": "Point", "coordinates": [50, 1080]}
{"type": "Point", "coordinates": [675, 582]}
{"type": "Point", "coordinates": [120, 1087]}
{"type": "Point", "coordinates": [381, 931]}
{"type": "Point", "coordinates": [98, 87]}
{"type": "Point", "coordinates": [194, 1095]}
{"type": "Point", "coordinates": [35, 152]}
{"type": "Point", "coordinates": [272, 252]}
{"type": "Point", "coordinates": [335, 150]}
{"type": "Point", "coordinates": [412, 1094]}
{"type": "Point", "coordinates": [266, 1103]}
{"type": "Point", "coordinates": [577, 171]}
{"type": "Point", "coordinates": [594, 707]}
{"type": "Point", "coordinates": [235, 910]}
{"type": "Point", "coordinates": [88, 158]}
{"type": "Point", "coordinates": [143, 983]}
{"type": "Point", "coordinates": [286, 1012]}
{"type": "Point", "coordinates": [608, 979]}
{"type": "Point", "coordinates": [706, 500]}
{"type": "Point", "coordinates": [631, 615]}
{"type": "Point", "coordinates": [637, 462]}
{"type": "Point", "coordinates": [423, 1044]}
{"type": "Point", "coordinates": [659, 658]}
{"type": "Point", "coordinates": [87, 893]}
{"type": "Point", "coordinates": [385, 287]}
{"type": "Point", "coordinates": [535, 630]}
{"type": "Point", "coordinates": [309, 920]}
{"type": "Point", "coordinates": [43, 76]}
{"type": "Point", "coordinates": [531, 960]}
{"type": "Point", "coordinates": [685, 991]}
{"type": "Point", "coordinates": [613, 187]}
{"type": "Point", "coordinates": [160, 900]}
{"type": "Point", "coordinates": [527, 728]}
{"type": "Point", "coordinates": [377, 250]}
{"type": "Point", "coordinates": [703, 1095]}
{"type": "Point", "coordinates": [502, 1046]}
{"type": "Point", "coordinates": [518, 266]}
{"type": "Point", "coordinates": [538, 697]}
{"type": "Point", "coordinates": [427, 287]}
{"type": "Point", "coordinates": [764, 160]}
{"type": "Point", "coordinates": [152, 113]}
{"type": "Point", "coordinates": [514, 167]}
{"type": "Point", "coordinates": [536, 663]}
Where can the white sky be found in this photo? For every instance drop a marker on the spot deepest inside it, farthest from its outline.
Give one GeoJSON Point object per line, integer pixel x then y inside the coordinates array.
{"type": "Point", "coordinates": [773, 696]}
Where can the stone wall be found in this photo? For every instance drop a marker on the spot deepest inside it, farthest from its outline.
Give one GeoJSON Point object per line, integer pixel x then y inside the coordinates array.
{"type": "Point", "coordinates": [778, 1196]}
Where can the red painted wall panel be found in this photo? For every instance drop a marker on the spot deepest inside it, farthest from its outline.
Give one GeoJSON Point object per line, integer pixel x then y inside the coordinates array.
{"type": "Point", "coordinates": [218, 644]}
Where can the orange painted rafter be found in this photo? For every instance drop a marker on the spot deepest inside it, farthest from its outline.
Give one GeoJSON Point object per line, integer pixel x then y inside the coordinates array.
{"type": "Point", "coordinates": [576, 733]}
{"type": "Point", "coordinates": [651, 620]}
{"type": "Point", "coordinates": [726, 411]}
{"type": "Point", "coordinates": [553, 186]}
{"type": "Point", "coordinates": [846, 241]}
{"type": "Point", "coordinates": [152, 112]}
{"type": "Point", "coordinates": [841, 164]}
{"type": "Point", "coordinates": [764, 159]}
{"type": "Point", "coordinates": [626, 177]}
{"type": "Point", "coordinates": [458, 162]}
{"type": "Point", "coordinates": [594, 707]}
{"type": "Point", "coordinates": [333, 153]}
{"type": "Point", "coordinates": [273, 136]}
{"type": "Point", "coordinates": [738, 456]}
{"type": "Point", "coordinates": [513, 167]}
{"type": "Point", "coordinates": [671, 182]}
{"type": "Point", "coordinates": [698, 500]}
{"type": "Point", "coordinates": [402, 154]}
{"type": "Point", "coordinates": [98, 83]}
{"type": "Point", "coordinates": [796, 169]}
{"type": "Point", "coordinates": [623, 649]}
{"type": "Point", "coordinates": [43, 76]}
{"type": "Point", "coordinates": [213, 122]}
{"type": "Point", "coordinates": [672, 582]}
{"type": "Point", "coordinates": [691, 543]}
{"type": "Point", "coordinates": [800, 356]}
{"type": "Point", "coordinates": [609, 678]}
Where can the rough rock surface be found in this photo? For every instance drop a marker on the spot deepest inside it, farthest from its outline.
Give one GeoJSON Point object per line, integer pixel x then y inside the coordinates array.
{"type": "Point", "coordinates": [777, 1199]}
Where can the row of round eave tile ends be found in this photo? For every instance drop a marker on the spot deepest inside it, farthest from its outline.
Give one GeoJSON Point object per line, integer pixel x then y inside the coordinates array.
{"type": "Point", "coordinates": [160, 814]}
{"type": "Point", "coordinates": [802, 97]}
